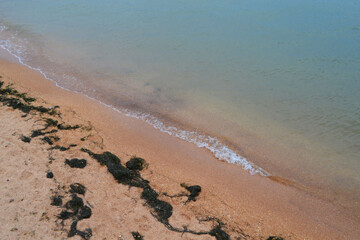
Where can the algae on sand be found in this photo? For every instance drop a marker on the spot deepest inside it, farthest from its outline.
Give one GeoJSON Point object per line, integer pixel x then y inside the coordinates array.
{"type": "Point", "coordinates": [76, 163]}
{"type": "Point", "coordinates": [160, 209]}
{"type": "Point", "coordinates": [77, 188]}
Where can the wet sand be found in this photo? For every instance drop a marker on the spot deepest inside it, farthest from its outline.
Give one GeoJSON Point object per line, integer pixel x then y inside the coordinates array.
{"type": "Point", "coordinates": [251, 207]}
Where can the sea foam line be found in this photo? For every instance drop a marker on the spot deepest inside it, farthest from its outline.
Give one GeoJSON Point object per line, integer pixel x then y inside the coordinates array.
{"type": "Point", "coordinates": [218, 149]}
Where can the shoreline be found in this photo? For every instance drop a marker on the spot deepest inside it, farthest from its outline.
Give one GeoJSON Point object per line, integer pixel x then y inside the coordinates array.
{"type": "Point", "coordinates": [221, 151]}
{"type": "Point", "coordinates": [263, 206]}
{"type": "Point", "coordinates": [251, 152]}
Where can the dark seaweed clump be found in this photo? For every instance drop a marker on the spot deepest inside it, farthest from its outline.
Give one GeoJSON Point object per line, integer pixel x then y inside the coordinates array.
{"type": "Point", "coordinates": [47, 140]}
{"type": "Point", "coordinates": [16, 104]}
{"type": "Point", "coordinates": [65, 215]}
{"type": "Point", "coordinates": [76, 210]}
{"type": "Point", "coordinates": [50, 122]}
{"type": "Point", "coordinates": [49, 174]}
{"type": "Point", "coordinates": [67, 127]}
{"type": "Point", "coordinates": [136, 164]}
{"type": "Point", "coordinates": [218, 233]}
{"type": "Point", "coordinates": [194, 191]}
{"type": "Point", "coordinates": [56, 200]}
{"type": "Point", "coordinates": [75, 203]}
{"type": "Point", "coordinates": [12, 98]}
{"type": "Point", "coordinates": [86, 234]}
{"type": "Point", "coordinates": [39, 132]}
{"type": "Point", "coordinates": [160, 209]}
{"type": "Point", "coordinates": [137, 236]}
{"type": "Point", "coordinates": [122, 174]}
{"type": "Point", "coordinates": [25, 139]}
{"type": "Point", "coordinates": [76, 163]}
{"type": "Point", "coordinates": [62, 148]}
{"type": "Point", "coordinates": [77, 188]}
{"type": "Point", "coordinates": [85, 212]}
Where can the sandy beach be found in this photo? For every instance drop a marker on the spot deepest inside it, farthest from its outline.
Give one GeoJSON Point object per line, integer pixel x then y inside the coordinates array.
{"type": "Point", "coordinates": [232, 204]}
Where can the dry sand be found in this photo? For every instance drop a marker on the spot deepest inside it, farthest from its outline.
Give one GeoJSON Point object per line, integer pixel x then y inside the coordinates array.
{"type": "Point", "coordinates": [251, 207]}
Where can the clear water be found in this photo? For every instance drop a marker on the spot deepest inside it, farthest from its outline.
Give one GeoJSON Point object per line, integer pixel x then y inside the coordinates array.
{"type": "Point", "coordinates": [277, 82]}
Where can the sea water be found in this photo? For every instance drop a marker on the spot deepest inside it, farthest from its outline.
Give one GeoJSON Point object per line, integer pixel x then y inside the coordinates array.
{"type": "Point", "coordinates": [273, 86]}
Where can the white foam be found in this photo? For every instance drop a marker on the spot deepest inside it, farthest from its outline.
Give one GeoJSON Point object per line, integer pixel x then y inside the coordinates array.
{"type": "Point", "coordinates": [218, 149]}
{"type": "Point", "coordinates": [2, 28]}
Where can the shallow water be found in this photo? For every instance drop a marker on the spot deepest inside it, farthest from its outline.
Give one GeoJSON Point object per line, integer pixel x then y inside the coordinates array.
{"type": "Point", "coordinates": [276, 82]}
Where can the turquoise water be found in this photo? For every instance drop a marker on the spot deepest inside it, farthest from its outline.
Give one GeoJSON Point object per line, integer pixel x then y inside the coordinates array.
{"type": "Point", "coordinates": [276, 82]}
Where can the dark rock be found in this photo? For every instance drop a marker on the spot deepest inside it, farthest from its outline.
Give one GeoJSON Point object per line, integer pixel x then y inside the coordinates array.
{"type": "Point", "coordinates": [275, 238]}
{"type": "Point", "coordinates": [76, 163]}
